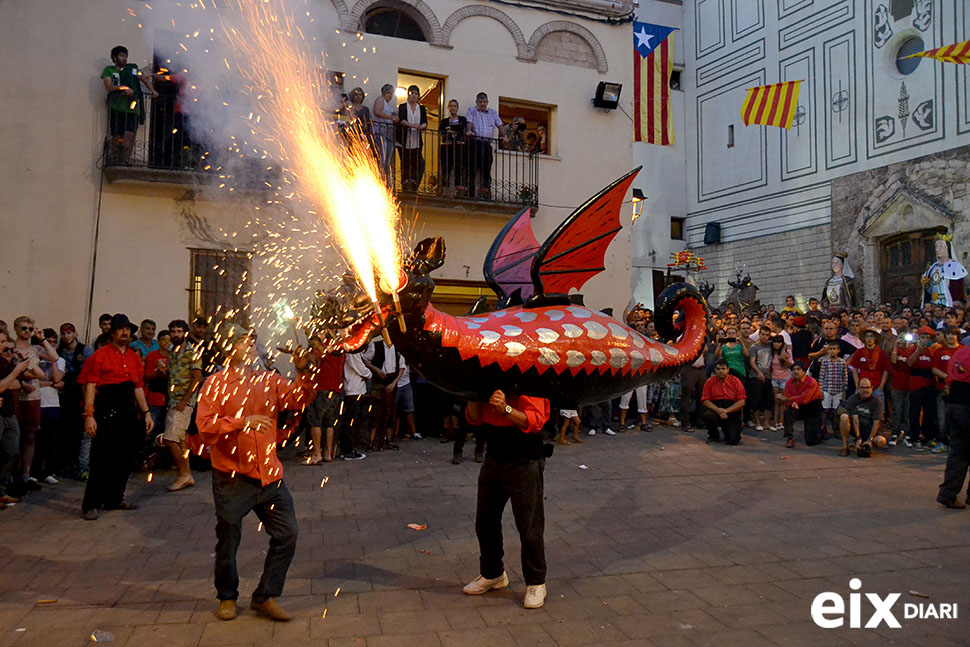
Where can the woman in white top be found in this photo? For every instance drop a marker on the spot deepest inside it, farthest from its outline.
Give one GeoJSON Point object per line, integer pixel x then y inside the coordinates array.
{"type": "Point", "coordinates": [384, 116]}
{"type": "Point", "coordinates": [412, 121]}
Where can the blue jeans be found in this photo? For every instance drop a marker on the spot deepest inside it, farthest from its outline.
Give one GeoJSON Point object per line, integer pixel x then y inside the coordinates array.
{"type": "Point", "coordinates": [234, 497]}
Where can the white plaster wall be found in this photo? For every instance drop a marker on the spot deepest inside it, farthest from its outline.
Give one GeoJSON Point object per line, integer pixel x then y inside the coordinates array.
{"type": "Point", "coordinates": [51, 128]}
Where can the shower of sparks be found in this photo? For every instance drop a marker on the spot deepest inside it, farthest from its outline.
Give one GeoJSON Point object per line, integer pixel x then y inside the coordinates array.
{"type": "Point", "coordinates": [327, 187]}
{"type": "Point", "coordinates": [340, 175]}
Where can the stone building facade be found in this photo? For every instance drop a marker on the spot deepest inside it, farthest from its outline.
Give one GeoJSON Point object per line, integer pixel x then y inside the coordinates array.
{"type": "Point", "coordinates": [901, 206]}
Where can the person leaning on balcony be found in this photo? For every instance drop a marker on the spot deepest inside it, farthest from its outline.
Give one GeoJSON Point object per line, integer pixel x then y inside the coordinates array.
{"type": "Point", "coordinates": [123, 82]}
{"type": "Point", "coordinates": [384, 118]}
{"type": "Point", "coordinates": [412, 120]}
{"type": "Point", "coordinates": [453, 155]}
{"type": "Point", "coordinates": [482, 122]}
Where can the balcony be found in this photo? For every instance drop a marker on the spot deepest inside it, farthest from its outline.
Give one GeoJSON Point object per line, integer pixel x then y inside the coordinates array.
{"type": "Point", "coordinates": [453, 172]}
{"type": "Point", "coordinates": [447, 171]}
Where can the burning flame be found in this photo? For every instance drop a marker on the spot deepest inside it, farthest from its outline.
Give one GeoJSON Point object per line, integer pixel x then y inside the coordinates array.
{"type": "Point", "coordinates": [338, 173]}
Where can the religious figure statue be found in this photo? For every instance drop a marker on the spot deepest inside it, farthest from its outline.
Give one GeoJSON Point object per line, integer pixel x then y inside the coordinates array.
{"type": "Point", "coordinates": [943, 280]}
{"type": "Point", "coordinates": [839, 291]}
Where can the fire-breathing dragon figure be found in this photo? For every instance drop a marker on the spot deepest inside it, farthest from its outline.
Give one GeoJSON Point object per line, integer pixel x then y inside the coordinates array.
{"type": "Point", "coordinates": [540, 339]}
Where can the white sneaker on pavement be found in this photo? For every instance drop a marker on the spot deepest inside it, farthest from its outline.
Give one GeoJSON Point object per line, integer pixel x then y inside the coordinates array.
{"type": "Point", "coordinates": [609, 432]}
{"type": "Point", "coordinates": [481, 585]}
{"type": "Point", "coordinates": [50, 480]}
{"type": "Point", "coordinates": [535, 596]}
{"type": "Point", "coordinates": [592, 432]}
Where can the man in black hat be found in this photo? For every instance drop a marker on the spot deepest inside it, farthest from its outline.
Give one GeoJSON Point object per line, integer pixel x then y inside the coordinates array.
{"type": "Point", "coordinates": [114, 407]}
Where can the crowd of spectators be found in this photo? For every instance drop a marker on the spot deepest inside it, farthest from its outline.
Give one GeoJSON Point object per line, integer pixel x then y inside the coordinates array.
{"type": "Point", "coordinates": [871, 378]}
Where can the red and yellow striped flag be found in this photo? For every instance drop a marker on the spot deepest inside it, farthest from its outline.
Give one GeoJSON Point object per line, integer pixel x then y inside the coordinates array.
{"type": "Point", "coordinates": [956, 53]}
{"type": "Point", "coordinates": [771, 105]}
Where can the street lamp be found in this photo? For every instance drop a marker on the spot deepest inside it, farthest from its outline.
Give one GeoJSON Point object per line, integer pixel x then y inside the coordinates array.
{"type": "Point", "coordinates": [638, 199]}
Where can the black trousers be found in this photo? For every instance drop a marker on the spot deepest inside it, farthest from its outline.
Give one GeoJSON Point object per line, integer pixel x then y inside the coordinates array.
{"type": "Point", "coordinates": [353, 421]}
{"type": "Point", "coordinates": [113, 448]}
{"type": "Point", "coordinates": [454, 157]}
{"type": "Point", "coordinates": [731, 426]}
{"type": "Point", "coordinates": [958, 460]}
{"type": "Point", "coordinates": [691, 387]}
{"type": "Point", "coordinates": [811, 415]}
{"type": "Point", "coordinates": [923, 400]}
{"type": "Point", "coordinates": [9, 448]}
{"type": "Point", "coordinates": [480, 162]}
{"type": "Point", "coordinates": [234, 498]}
{"type": "Point", "coordinates": [521, 482]}
{"type": "Point", "coordinates": [411, 164]}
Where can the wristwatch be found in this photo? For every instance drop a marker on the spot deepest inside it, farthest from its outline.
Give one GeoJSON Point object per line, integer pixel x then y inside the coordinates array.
{"type": "Point", "coordinates": [508, 409]}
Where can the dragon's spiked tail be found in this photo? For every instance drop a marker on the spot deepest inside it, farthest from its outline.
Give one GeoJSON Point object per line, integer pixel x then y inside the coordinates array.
{"type": "Point", "coordinates": [682, 313]}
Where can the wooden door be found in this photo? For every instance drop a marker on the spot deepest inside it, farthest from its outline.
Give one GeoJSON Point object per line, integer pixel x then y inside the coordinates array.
{"type": "Point", "coordinates": [904, 259]}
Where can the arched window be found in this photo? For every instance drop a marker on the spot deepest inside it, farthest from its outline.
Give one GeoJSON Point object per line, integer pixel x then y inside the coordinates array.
{"type": "Point", "coordinates": [393, 23]}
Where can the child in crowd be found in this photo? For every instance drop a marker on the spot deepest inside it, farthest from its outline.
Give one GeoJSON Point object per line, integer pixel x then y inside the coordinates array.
{"type": "Point", "coordinates": [833, 378]}
{"type": "Point", "coordinates": [570, 417]}
{"type": "Point", "coordinates": [781, 362]}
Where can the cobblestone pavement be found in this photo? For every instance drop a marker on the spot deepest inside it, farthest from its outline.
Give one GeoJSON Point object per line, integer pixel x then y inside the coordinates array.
{"type": "Point", "coordinates": [652, 539]}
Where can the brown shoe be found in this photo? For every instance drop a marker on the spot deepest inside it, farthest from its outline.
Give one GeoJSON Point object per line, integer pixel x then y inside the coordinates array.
{"type": "Point", "coordinates": [6, 498]}
{"type": "Point", "coordinates": [270, 609]}
{"type": "Point", "coordinates": [790, 443]}
{"type": "Point", "coordinates": [227, 610]}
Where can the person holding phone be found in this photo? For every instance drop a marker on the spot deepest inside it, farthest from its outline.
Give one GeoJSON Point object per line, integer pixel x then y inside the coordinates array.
{"type": "Point", "coordinates": [922, 393]}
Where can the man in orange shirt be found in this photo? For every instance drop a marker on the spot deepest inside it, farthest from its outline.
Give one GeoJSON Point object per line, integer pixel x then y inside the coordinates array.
{"type": "Point", "coordinates": [512, 471]}
{"type": "Point", "coordinates": [237, 420]}
{"type": "Point", "coordinates": [803, 401]}
{"type": "Point", "coordinates": [870, 362]}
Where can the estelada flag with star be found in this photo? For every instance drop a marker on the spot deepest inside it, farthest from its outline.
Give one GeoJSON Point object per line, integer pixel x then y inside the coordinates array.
{"type": "Point", "coordinates": [653, 62]}
{"type": "Point", "coordinates": [771, 105]}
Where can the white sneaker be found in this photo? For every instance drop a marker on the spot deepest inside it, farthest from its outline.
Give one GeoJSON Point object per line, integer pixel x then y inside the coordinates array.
{"type": "Point", "coordinates": [592, 432]}
{"type": "Point", "coordinates": [535, 596]}
{"type": "Point", "coordinates": [608, 432]}
{"type": "Point", "coordinates": [418, 436]}
{"type": "Point", "coordinates": [50, 480]}
{"type": "Point", "coordinates": [759, 428]}
{"type": "Point", "coordinates": [481, 585]}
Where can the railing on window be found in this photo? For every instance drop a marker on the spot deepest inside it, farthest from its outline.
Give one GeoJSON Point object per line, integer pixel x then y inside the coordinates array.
{"type": "Point", "coordinates": [431, 163]}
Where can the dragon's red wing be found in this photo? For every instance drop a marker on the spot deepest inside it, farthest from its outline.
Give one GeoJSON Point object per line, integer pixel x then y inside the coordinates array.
{"type": "Point", "coordinates": [576, 251]}
{"type": "Point", "coordinates": [508, 262]}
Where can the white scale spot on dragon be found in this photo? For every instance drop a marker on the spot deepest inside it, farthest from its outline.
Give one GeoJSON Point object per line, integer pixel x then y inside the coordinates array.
{"type": "Point", "coordinates": [498, 313]}
{"type": "Point", "coordinates": [572, 330]}
{"type": "Point", "coordinates": [636, 359]}
{"type": "Point", "coordinates": [671, 350]}
{"type": "Point", "coordinates": [555, 315]}
{"type": "Point", "coordinates": [547, 336]}
{"type": "Point", "coordinates": [480, 320]}
{"type": "Point", "coordinates": [472, 326]}
{"type": "Point", "coordinates": [489, 336]}
{"type": "Point", "coordinates": [512, 331]}
{"type": "Point", "coordinates": [618, 358]}
{"type": "Point", "coordinates": [599, 358]}
{"type": "Point", "coordinates": [548, 356]}
{"type": "Point", "coordinates": [582, 313]}
{"type": "Point", "coordinates": [656, 357]}
{"type": "Point", "coordinates": [638, 340]}
{"type": "Point", "coordinates": [574, 358]}
{"type": "Point", "coordinates": [514, 348]}
{"type": "Point", "coordinates": [596, 331]}
{"type": "Point", "coordinates": [618, 331]}
{"type": "Point", "coordinates": [526, 317]}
